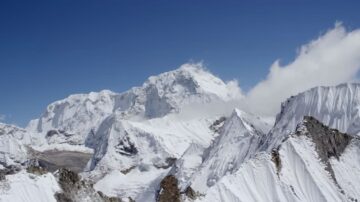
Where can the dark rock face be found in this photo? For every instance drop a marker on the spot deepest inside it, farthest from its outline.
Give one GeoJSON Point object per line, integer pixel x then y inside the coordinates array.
{"type": "Point", "coordinates": [62, 197]}
{"type": "Point", "coordinates": [59, 133]}
{"type": "Point", "coordinates": [217, 124]}
{"type": "Point", "coordinates": [8, 170]}
{"type": "Point", "coordinates": [190, 193]}
{"type": "Point", "coordinates": [169, 191]}
{"type": "Point", "coordinates": [68, 178]}
{"type": "Point", "coordinates": [110, 199]}
{"type": "Point", "coordinates": [328, 142]}
{"type": "Point", "coordinates": [126, 147]}
{"type": "Point", "coordinates": [68, 181]}
{"type": "Point", "coordinates": [51, 133]}
{"type": "Point", "coordinates": [275, 157]}
{"type": "Point", "coordinates": [37, 170]}
{"type": "Point", "coordinates": [126, 171]}
{"type": "Point", "coordinates": [75, 190]}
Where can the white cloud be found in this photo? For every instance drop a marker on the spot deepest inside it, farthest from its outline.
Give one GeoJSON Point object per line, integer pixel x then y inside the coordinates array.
{"type": "Point", "coordinates": [331, 59]}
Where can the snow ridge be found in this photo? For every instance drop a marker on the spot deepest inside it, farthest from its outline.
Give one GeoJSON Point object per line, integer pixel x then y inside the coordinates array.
{"type": "Point", "coordinates": [238, 140]}
{"type": "Point", "coordinates": [337, 107]}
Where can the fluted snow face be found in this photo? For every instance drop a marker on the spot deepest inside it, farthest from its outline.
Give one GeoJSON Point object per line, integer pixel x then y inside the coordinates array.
{"type": "Point", "coordinates": [238, 140]}
{"type": "Point", "coordinates": [13, 141]}
{"type": "Point", "coordinates": [337, 107]}
{"type": "Point", "coordinates": [76, 116]}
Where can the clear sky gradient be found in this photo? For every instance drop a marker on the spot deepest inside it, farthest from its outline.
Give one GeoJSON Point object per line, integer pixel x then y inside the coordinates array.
{"type": "Point", "coordinates": [51, 49]}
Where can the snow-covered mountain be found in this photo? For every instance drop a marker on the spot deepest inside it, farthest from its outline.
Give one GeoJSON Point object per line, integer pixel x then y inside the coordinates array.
{"type": "Point", "coordinates": [175, 139]}
{"type": "Point", "coordinates": [73, 119]}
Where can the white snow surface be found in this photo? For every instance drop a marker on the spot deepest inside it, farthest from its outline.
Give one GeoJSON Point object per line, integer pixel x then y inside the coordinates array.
{"type": "Point", "coordinates": [140, 184]}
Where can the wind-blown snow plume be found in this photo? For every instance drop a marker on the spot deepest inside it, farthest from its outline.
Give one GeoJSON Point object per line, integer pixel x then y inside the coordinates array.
{"type": "Point", "coordinates": [331, 59]}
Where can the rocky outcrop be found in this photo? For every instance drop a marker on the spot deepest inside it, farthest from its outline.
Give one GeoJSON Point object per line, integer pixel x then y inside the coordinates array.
{"type": "Point", "coordinates": [126, 147]}
{"type": "Point", "coordinates": [169, 190]}
{"type": "Point", "coordinates": [8, 170]}
{"type": "Point", "coordinates": [36, 169]}
{"type": "Point", "coordinates": [275, 157]}
{"type": "Point", "coordinates": [76, 190]}
{"type": "Point", "coordinates": [190, 193]}
{"type": "Point", "coordinates": [217, 124]}
{"type": "Point", "coordinates": [328, 142]}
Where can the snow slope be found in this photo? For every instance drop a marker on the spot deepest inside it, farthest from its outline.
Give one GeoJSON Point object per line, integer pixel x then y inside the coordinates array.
{"type": "Point", "coordinates": [300, 175]}
{"type": "Point", "coordinates": [23, 186]}
{"type": "Point", "coordinates": [128, 150]}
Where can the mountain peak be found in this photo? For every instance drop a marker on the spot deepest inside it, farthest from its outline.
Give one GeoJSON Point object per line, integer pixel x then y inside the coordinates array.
{"type": "Point", "coordinates": [193, 79]}
{"type": "Point", "coordinates": [238, 139]}
{"type": "Point", "coordinates": [255, 121]}
{"type": "Point", "coordinates": [80, 114]}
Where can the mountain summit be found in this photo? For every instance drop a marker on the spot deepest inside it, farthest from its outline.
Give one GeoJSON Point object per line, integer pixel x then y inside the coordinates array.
{"type": "Point", "coordinates": [74, 118]}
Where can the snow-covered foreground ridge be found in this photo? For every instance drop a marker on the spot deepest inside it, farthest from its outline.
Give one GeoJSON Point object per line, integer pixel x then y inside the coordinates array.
{"type": "Point", "coordinates": [179, 137]}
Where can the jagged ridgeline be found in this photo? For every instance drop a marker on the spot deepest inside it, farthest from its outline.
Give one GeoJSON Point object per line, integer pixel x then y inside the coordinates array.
{"type": "Point", "coordinates": [178, 137]}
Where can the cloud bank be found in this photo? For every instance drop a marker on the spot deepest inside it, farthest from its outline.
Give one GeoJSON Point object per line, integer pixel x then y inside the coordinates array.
{"type": "Point", "coordinates": [332, 58]}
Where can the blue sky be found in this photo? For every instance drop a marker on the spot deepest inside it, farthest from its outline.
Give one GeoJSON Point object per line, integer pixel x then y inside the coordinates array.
{"type": "Point", "coordinates": [50, 49]}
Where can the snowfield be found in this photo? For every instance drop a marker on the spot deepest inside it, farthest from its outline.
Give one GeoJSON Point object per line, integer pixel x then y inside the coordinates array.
{"type": "Point", "coordinates": [28, 187]}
